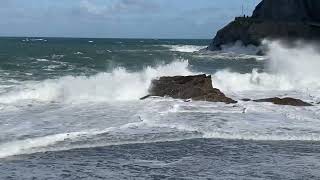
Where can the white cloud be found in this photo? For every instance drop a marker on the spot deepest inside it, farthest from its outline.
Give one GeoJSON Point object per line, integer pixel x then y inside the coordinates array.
{"type": "Point", "coordinates": [118, 6]}
{"type": "Point", "coordinates": [92, 8]}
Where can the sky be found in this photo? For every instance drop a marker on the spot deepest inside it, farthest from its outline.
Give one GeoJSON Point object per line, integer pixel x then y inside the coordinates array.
{"type": "Point", "coordinates": [194, 19]}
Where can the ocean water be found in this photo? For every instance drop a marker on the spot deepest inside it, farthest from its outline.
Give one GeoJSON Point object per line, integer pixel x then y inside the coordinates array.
{"type": "Point", "coordinates": [70, 109]}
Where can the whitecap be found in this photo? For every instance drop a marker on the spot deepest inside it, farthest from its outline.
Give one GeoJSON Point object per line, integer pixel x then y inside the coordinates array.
{"type": "Point", "coordinates": [184, 48]}
{"type": "Point", "coordinates": [118, 85]}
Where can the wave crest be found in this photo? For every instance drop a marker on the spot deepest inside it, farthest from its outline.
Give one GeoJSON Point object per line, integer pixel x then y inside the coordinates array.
{"type": "Point", "coordinates": [118, 85]}
{"type": "Point", "coordinates": [288, 68]}
{"type": "Point", "coordinates": [184, 48]}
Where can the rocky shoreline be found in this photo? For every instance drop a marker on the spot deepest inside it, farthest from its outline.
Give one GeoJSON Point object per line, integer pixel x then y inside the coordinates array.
{"type": "Point", "coordinates": [273, 19]}
{"type": "Point", "coordinates": [199, 88]}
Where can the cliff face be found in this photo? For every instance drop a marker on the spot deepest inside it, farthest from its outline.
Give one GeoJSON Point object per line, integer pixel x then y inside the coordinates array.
{"type": "Point", "coordinates": [274, 19]}
{"type": "Point", "coordinates": [288, 10]}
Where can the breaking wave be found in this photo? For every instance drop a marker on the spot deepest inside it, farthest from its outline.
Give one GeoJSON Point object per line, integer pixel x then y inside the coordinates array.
{"type": "Point", "coordinates": [294, 68]}
{"type": "Point", "coordinates": [184, 48]}
{"type": "Point", "coordinates": [118, 85]}
{"type": "Point", "coordinates": [239, 48]}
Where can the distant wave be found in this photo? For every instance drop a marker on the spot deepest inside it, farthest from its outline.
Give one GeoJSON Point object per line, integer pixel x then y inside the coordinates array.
{"type": "Point", "coordinates": [184, 48]}
{"type": "Point", "coordinates": [78, 53]}
{"type": "Point", "coordinates": [34, 40]}
{"type": "Point", "coordinates": [42, 60]}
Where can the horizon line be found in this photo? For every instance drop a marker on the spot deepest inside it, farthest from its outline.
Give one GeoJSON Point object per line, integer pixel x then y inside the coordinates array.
{"type": "Point", "coordinates": [73, 37]}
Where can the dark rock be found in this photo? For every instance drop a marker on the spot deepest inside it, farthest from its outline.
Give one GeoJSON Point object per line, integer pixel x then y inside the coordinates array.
{"type": "Point", "coordinates": [198, 88]}
{"type": "Point", "coordinates": [145, 97]}
{"type": "Point", "coordinates": [288, 10]}
{"type": "Point", "coordinates": [285, 101]}
{"type": "Point", "coordinates": [273, 19]}
{"type": "Point", "coordinates": [246, 99]}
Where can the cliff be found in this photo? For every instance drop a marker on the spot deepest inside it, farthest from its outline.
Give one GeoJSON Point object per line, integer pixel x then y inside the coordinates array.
{"type": "Point", "coordinates": [273, 19]}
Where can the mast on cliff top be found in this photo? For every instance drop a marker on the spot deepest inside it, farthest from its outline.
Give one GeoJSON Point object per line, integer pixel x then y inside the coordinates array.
{"type": "Point", "coordinates": [242, 11]}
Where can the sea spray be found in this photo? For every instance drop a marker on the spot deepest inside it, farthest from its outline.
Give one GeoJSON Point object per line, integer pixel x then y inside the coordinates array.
{"type": "Point", "coordinates": [287, 68]}
{"type": "Point", "coordinates": [117, 85]}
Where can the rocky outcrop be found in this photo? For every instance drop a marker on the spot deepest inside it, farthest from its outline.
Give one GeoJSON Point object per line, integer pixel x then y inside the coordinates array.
{"type": "Point", "coordinates": [288, 10]}
{"type": "Point", "coordinates": [273, 19]}
{"type": "Point", "coordinates": [285, 101]}
{"type": "Point", "coordinates": [198, 88]}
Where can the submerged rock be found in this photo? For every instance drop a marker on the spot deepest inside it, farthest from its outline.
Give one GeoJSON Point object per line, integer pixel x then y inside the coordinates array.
{"type": "Point", "coordinates": [285, 101]}
{"type": "Point", "coordinates": [198, 88]}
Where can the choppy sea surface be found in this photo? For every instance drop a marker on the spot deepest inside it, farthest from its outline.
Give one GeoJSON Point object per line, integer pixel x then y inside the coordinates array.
{"type": "Point", "coordinates": [70, 109]}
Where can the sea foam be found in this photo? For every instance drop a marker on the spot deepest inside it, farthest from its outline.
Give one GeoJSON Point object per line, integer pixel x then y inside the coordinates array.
{"type": "Point", "coordinates": [288, 68]}
{"type": "Point", "coordinates": [184, 48]}
{"type": "Point", "coordinates": [117, 85]}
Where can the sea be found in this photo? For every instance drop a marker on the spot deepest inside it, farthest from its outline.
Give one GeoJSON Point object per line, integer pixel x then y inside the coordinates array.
{"type": "Point", "coordinates": [70, 109]}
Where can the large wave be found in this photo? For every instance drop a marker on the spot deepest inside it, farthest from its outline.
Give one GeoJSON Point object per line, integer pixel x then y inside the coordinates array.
{"type": "Point", "coordinates": [118, 85]}
{"type": "Point", "coordinates": [294, 68]}
{"type": "Point", "coordinates": [288, 68]}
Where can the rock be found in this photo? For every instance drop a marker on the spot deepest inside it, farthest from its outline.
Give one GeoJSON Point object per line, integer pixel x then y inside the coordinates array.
{"type": "Point", "coordinates": [145, 97]}
{"type": "Point", "coordinates": [273, 19]}
{"type": "Point", "coordinates": [246, 99]}
{"type": "Point", "coordinates": [285, 101]}
{"type": "Point", "coordinates": [288, 10]}
{"type": "Point", "coordinates": [198, 88]}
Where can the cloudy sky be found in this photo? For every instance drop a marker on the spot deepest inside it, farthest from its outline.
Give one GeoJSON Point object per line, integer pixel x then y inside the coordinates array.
{"type": "Point", "coordinates": [119, 18]}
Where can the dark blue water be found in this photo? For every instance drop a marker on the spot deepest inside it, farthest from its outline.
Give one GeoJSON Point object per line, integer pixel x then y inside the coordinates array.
{"type": "Point", "coordinates": [189, 159]}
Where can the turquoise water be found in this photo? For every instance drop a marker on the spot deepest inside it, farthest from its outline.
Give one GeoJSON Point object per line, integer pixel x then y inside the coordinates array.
{"type": "Point", "coordinates": [70, 109]}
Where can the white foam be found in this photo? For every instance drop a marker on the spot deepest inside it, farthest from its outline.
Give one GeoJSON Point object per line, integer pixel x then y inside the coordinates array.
{"type": "Point", "coordinates": [42, 60]}
{"type": "Point", "coordinates": [184, 48]}
{"type": "Point", "coordinates": [25, 146]}
{"type": "Point", "coordinates": [50, 142]}
{"type": "Point", "coordinates": [118, 85]}
{"type": "Point", "coordinates": [78, 53]}
{"type": "Point", "coordinates": [261, 121]}
{"type": "Point", "coordinates": [57, 56]}
{"type": "Point", "coordinates": [262, 137]}
{"type": "Point", "coordinates": [239, 48]}
{"type": "Point", "coordinates": [234, 51]}
{"type": "Point", "coordinates": [288, 69]}
{"type": "Point", "coordinates": [219, 55]}
{"type": "Point", "coordinates": [32, 145]}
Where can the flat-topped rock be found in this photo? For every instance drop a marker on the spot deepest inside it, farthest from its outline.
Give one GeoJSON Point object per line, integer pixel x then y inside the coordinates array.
{"type": "Point", "coordinates": [198, 88]}
{"type": "Point", "coordinates": [285, 101]}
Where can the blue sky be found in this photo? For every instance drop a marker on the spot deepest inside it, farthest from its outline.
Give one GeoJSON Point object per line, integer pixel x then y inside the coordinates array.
{"type": "Point", "coordinates": [119, 18]}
